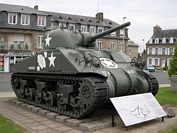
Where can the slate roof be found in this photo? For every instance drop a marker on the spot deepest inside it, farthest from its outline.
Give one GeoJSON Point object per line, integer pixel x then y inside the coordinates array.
{"type": "Point", "coordinates": [71, 18]}
{"type": "Point", "coordinates": [165, 33]}
{"type": "Point", "coordinates": [20, 9]}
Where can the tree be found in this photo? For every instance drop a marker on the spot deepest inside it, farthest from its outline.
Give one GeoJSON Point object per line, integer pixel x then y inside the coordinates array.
{"type": "Point", "coordinates": [173, 63]}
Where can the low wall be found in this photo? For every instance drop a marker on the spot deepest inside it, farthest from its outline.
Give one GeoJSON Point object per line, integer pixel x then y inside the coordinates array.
{"type": "Point", "coordinates": [174, 83]}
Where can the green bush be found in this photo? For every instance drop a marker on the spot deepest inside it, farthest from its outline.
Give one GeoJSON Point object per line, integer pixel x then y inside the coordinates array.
{"type": "Point", "coordinates": [173, 63]}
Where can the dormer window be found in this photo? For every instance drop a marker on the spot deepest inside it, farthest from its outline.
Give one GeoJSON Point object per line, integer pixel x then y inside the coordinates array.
{"type": "Point", "coordinates": [110, 23]}
{"type": "Point", "coordinates": [60, 17]}
{"type": "Point", "coordinates": [83, 28]}
{"type": "Point", "coordinates": [12, 18]}
{"type": "Point", "coordinates": [164, 40]}
{"type": "Point", "coordinates": [90, 20]}
{"type": "Point", "coordinates": [113, 34]}
{"type": "Point", "coordinates": [157, 40]}
{"type": "Point", "coordinates": [92, 29]}
{"type": "Point", "coordinates": [71, 26]}
{"type": "Point", "coordinates": [81, 19]}
{"type": "Point", "coordinates": [100, 29]}
{"type": "Point", "coordinates": [97, 21]}
{"type": "Point", "coordinates": [69, 18]}
{"type": "Point", "coordinates": [41, 21]}
{"type": "Point", "coordinates": [25, 19]}
{"type": "Point", "coordinates": [121, 33]}
{"type": "Point", "coordinates": [171, 40]}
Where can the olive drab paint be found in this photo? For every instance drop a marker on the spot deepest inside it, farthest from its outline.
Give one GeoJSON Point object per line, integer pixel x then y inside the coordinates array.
{"type": "Point", "coordinates": [71, 77]}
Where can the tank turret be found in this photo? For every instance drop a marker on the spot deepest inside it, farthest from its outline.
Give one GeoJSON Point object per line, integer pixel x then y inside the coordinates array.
{"type": "Point", "coordinates": [72, 38]}
{"type": "Point", "coordinates": [72, 78]}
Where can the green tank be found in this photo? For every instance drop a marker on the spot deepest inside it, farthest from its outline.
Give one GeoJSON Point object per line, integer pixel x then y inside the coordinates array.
{"type": "Point", "coordinates": [71, 77]}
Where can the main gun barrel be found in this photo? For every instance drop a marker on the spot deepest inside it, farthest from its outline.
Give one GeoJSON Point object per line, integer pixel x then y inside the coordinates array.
{"type": "Point", "coordinates": [94, 37]}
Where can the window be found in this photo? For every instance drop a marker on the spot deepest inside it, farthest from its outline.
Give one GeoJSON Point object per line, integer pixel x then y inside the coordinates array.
{"type": "Point", "coordinates": [41, 21]}
{"type": "Point", "coordinates": [164, 40]}
{"type": "Point", "coordinates": [62, 25]}
{"type": "Point", "coordinates": [100, 29]}
{"type": "Point", "coordinates": [170, 51]}
{"type": "Point", "coordinates": [156, 50]}
{"type": "Point", "coordinates": [156, 62]}
{"type": "Point", "coordinates": [121, 33]}
{"type": "Point", "coordinates": [40, 41]}
{"type": "Point", "coordinates": [113, 34]}
{"type": "Point", "coordinates": [92, 29]}
{"type": "Point", "coordinates": [112, 46]}
{"type": "Point", "coordinates": [171, 40]}
{"type": "Point", "coordinates": [71, 26]}
{"type": "Point", "coordinates": [52, 23]}
{"type": "Point", "coordinates": [150, 50]}
{"type": "Point", "coordinates": [12, 18]}
{"type": "Point", "coordinates": [99, 45]}
{"type": "Point", "coordinates": [150, 61]}
{"type": "Point", "coordinates": [25, 19]}
{"type": "Point", "coordinates": [83, 28]}
{"type": "Point", "coordinates": [157, 40]}
{"type": "Point", "coordinates": [163, 50]}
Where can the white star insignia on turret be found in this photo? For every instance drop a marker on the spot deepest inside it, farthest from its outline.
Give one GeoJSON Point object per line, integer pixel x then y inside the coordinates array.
{"type": "Point", "coordinates": [51, 59]}
{"type": "Point", "coordinates": [48, 40]}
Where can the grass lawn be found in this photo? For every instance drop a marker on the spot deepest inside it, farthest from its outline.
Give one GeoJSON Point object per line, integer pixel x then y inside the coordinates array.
{"type": "Point", "coordinates": [166, 97]}
{"type": "Point", "coordinates": [8, 126]}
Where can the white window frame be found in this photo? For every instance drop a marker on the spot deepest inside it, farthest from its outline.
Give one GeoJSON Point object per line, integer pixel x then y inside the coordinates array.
{"type": "Point", "coordinates": [156, 63]}
{"type": "Point", "coordinates": [71, 25]}
{"type": "Point", "coordinates": [92, 29]}
{"type": "Point", "coordinates": [156, 50]}
{"type": "Point", "coordinates": [157, 40]}
{"type": "Point", "coordinates": [41, 21]}
{"type": "Point", "coordinates": [171, 40]}
{"type": "Point", "coordinates": [60, 24]}
{"type": "Point", "coordinates": [11, 19]}
{"type": "Point", "coordinates": [99, 45]}
{"type": "Point", "coordinates": [100, 29]}
{"type": "Point", "coordinates": [150, 61]}
{"type": "Point", "coordinates": [150, 51]}
{"type": "Point", "coordinates": [164, 40]}
{"type": "Point", "coordinates": [26, 19]}
{"type": "Point", "coordinates": [113, 34]}
{"type": "Point", "coordinates": [122, 33]}
{"type": "Point", "coordinates": [112, 46]}
{"type": "Point", "coordinates": [40, 41]}
{"type": "Point", "coordinates": [163, 52]}
{"type": "Point", "coordinates": [83, 28]}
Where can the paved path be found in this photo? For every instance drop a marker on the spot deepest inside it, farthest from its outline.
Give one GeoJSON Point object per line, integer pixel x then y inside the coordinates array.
{"type": "Point", "coordinates": [36, 123]}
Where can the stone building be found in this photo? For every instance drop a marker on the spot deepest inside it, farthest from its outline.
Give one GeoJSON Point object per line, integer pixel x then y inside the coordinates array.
{"type": "Point", "coordinates": [160, 46]}
{"type": "Point", "coordinates": [22, 31]}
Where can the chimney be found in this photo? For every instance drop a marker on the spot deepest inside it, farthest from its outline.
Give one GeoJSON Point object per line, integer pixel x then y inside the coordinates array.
{"type": "Point", "coordinates": [99, 16]}
{"type": "Point", "coordinates": [156, 29]}
{"type": "Point", "coordinates": [36, 7]}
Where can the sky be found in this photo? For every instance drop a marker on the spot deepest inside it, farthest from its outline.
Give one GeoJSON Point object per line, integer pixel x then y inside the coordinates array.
{"type": "Point", "coordinates": [142, 14]}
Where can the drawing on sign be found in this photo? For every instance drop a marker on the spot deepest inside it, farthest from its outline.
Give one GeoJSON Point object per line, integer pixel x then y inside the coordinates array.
{"type": "Point", "coordinates": [139, 112]}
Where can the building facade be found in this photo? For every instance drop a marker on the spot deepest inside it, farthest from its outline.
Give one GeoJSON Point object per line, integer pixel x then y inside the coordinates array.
{"type": "Point", "coordinates": [160, 47]}
{"type": "Point", "coordinates": [22, 31]}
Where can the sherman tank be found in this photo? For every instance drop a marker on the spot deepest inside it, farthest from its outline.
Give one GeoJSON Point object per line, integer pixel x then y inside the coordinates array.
{"type": "Point", "coordinates": [73, 78]}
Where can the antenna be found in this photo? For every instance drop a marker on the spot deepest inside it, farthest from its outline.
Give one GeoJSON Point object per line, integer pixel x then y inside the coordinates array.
{"type": "Point", "coordinates": [35, 2]}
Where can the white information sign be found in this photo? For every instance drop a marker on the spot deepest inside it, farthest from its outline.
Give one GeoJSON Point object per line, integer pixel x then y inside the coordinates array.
{"type": "Point", "coordinates": [138, 108]}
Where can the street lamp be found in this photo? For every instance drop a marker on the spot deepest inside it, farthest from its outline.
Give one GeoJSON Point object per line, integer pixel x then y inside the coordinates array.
{"type": "Point", "coordinates": [123, 32]}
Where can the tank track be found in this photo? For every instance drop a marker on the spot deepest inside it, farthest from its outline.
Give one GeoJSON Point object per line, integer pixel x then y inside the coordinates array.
{"type": "Point", "coordinates": [153, 83]}
{"type": "Point", "coordinates": [93, 88]}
